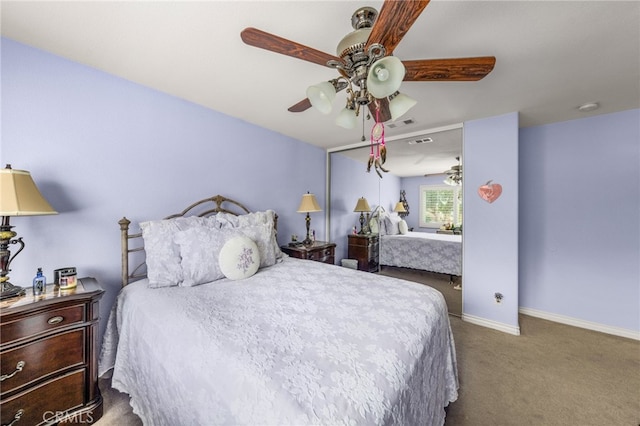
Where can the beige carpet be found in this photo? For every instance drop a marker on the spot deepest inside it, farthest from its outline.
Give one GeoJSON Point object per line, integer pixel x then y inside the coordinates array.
{"type": "Point", "coordinates": [440, 282]}
{"type": "Point", "coordinates": [552, 374]}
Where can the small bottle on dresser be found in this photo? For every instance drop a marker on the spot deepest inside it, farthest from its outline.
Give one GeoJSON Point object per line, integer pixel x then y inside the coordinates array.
{"type": "Point", "coordinates": [39, 283]}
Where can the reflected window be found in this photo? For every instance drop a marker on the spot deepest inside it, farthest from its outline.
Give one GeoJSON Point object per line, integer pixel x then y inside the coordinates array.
{"type": "Point", "coordinates": [439, 205]}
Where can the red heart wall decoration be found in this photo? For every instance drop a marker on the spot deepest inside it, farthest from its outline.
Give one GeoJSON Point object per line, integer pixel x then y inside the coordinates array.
{"type": "Point", "coordinates": [490, 191]}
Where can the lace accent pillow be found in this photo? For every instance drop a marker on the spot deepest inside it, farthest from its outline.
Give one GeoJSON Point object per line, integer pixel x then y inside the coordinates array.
{"type": "Point", "coordinates": [373, 225]}
{"type": "Point", "coordinates": [267, 217]}
{"type": "Point", "coordinates": [199, 250]}
{"type": "Point", "coordinates": [382, 223]}
{"type": "Point", "coordinates": [239, 258]}
{"type": "Point", "coordinates": [162, 253]}
{"type": "Point", "coordinates": [391, 224]}
{"type": "Point", "coordinates": [263, 236]}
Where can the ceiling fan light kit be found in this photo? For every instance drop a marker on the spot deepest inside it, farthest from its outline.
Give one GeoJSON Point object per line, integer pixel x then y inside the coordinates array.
{"type": "Point", "coordinates": [321, 96]}
{"type": "Point", "coordinates": [399, 104]}
{"type": "Point", "coordinates": [347, 118]}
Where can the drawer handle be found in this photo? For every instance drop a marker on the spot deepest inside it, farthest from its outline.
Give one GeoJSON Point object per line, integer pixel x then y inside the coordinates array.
{"type": "Point", "coordinates": [16, 417]}
{"type": "Point", "coordinates": [55, 320]}
{"type": "Point", "coordinates": [19, 367]}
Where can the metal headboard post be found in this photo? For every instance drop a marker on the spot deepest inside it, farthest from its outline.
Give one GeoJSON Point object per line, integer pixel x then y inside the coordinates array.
{"type": "Point", "coordinates": [124, 249]}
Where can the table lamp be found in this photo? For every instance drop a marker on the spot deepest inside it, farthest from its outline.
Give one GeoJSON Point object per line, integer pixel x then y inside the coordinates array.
{"type": "Point", "coordinates": [399, 208]}
{"type": "Point", "coordinates": [362, 206]}
{"type": "Point", "coordinates": [309, 204]}
{"type": "Point", "coordinates": [19, 196]}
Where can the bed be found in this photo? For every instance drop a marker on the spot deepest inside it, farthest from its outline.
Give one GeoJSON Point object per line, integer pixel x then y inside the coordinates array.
{"type": "Point", "coordinates": [441, 253]}
{"type": "Point", "coordinates": [294, 342]}
{"type": "Point", "coordinates": [399, 247]}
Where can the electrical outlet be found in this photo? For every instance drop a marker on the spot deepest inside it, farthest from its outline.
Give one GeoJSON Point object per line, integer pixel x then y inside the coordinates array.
{"type": "Point", "coordinates": [498, 297]}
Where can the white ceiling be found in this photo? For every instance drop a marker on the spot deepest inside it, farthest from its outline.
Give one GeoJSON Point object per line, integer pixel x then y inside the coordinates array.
{"type": "Point", "coordinates": [551, 57]}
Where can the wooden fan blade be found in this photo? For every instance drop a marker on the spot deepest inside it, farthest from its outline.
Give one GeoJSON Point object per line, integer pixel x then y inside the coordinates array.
{"type": "Point", "coordinates": [393, 22]}
{"type": "Point", "coordinates": [303, 105]}
{"type": "Point", "coordinates": [456, 69]}
{"type": "Point", "coordinates": [258, 38]}
{"type": "Point", "coordinates": [384, 113]}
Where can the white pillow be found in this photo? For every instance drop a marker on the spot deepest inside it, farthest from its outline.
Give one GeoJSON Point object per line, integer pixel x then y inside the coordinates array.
{"type": "Point", "coordinates": [391, 223]}
{"type": "Point", "coordinates": [403, 227]}
{"type": "Point", "coordinates": [373, 225]}
{"type": "Point", "coordinates": [267, 217]}
{"type": "Point", "coordinates": [162, 254]}
{"type": "Point", "coordinates": [382, 223]}
{"type": "Point", "coordinates": [263, 235]}
{"type": "Point", "coordinates": [239, 258]}
{"type": "Point", "coordinates": [199, 251]}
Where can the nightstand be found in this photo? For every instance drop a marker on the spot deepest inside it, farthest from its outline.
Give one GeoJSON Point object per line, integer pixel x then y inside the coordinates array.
{"type": "Point", "coordinates": [319, 251]}
{"type": "Point", "coordinates": [48, 356]}
{"type": "Point", "coordinates": [364, 248]}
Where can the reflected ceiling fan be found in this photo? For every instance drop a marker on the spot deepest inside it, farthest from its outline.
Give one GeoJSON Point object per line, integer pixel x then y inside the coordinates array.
{"type": "Point", "coordinates": [366, 66]}
{"type": "Point", "coordinates": [454, 174]}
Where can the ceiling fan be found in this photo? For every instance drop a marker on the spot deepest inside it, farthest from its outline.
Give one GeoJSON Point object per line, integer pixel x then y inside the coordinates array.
{"type": "Point", "coordinates": [454, 174]}
{"type": "Point", "coordinates": [366, 66]}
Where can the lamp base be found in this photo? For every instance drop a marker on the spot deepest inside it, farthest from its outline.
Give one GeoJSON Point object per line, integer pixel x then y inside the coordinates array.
{"type": "Point", "coordinates": [10, 290]}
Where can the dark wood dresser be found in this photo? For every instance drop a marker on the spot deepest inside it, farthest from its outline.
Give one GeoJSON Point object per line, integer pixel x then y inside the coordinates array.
{"type": "Point", "coordinates": [364, 249]}
{"type": "Point", "coordinates": [48, 356]}
{"type": "Point", "coordinates": [320, 251]}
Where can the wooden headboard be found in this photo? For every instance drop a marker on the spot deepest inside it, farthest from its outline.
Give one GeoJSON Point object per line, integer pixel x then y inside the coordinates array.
{"type": "Point", "coordinates": [133, 243]}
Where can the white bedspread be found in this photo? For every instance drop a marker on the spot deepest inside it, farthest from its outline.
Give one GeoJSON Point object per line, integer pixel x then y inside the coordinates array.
{"type": "Point", "coordinates": [440, 253]}
{"type": "Point", "coordinates": [300, 342]}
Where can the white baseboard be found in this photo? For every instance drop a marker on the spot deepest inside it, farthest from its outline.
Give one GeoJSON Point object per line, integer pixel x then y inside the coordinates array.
{"type": "Point", "coordinates": [616, 331]}
{"type": "Point", "coordinates": [505, 328]}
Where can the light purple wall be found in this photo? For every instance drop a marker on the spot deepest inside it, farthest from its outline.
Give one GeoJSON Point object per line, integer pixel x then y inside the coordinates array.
{"type": "Point", "coordinates": [580, 219]}
{"type": "Point", "coordinates": [490, 249]}
{"type": "Point", "coordinates": [100, 147]}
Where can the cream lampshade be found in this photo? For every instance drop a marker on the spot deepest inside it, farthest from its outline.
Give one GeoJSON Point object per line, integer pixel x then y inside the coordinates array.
{"type": "Point", "coordinates": [19, 196]}
{"type": "Point", "coordinates": [362, 206]}
{"type": "Point", "coordinates": [399, 208]}
{"type": "Point", "coordinates": [308, 204]}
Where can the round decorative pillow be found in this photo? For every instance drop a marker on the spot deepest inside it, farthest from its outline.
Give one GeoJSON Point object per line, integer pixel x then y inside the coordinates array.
{"type": "Point", "coordinates": [403, 227]}
{"type": "Point", "coordinates": [239, 258]}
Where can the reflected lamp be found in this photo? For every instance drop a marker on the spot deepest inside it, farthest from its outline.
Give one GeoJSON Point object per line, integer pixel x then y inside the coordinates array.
{"type": "Point", "coordinates": [362, 206]}
{"type": "Point", "coordinates": [399, 208]}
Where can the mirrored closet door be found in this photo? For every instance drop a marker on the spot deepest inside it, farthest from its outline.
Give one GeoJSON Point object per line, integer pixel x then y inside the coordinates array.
{"type": "Point", "coordinates": [415, 164]}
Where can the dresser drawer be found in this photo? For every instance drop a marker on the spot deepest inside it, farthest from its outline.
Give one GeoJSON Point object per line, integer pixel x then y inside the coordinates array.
{"type": "Point", "coordinates": [31, 362]}
{"type": "Point", "coordinates": [321, 255]}
{"type": "Point", "coordinates": [45, 402]}
{"type": "Point", "coordinates": [38, 323]}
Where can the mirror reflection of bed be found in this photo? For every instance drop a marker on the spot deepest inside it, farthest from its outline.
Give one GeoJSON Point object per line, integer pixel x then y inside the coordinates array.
{"type": "Point", "coordinates": [415, 160]}
{"type": "Point", "coordinates": [433, 259]}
